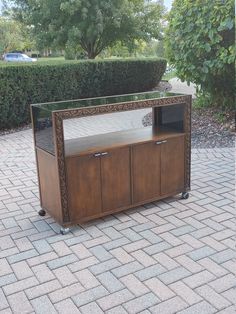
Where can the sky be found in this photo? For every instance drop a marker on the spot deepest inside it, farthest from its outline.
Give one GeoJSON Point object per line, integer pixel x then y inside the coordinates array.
{"type": "Point", "coordinates": [1, 5]}
{"type": "Point", "coordinates": [167, 3]}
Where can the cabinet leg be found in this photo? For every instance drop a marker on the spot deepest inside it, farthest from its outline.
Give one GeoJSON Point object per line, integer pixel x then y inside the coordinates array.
{"type": "Point", "coordinates": [64, 230]}
{"type": "Point", "coordinates": [41, 212]}
{"type": "Point", "coordinates": [185, 195]}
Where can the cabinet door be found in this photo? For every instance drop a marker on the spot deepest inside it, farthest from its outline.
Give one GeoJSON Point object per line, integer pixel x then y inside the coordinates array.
{"type": "Point", "coordinates": [146, 167]}
{"type": "Point", "coordinates": [172, 165]}
{"type": "Point", "coordinates": [115, 174]}
{"type": "Point", "coordinates": [84, 186]}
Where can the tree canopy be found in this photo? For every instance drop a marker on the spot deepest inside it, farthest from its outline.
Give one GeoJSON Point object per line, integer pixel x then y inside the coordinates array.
{"type": "Point", "coordinates": [13, 35]}
{"type": "Point", "coordinates": [92, 25]}
{"type": "Point", "coordinates": [200, 44]}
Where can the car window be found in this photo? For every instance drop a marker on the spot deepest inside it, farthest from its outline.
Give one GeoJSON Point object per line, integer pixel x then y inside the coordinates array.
{"type": "Point", "coordinates": [12, 55]}
{"type": "Point", "coordinates": [23, 55]}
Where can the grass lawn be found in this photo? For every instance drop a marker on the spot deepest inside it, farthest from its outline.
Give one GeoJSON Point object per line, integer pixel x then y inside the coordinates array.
{"type": "Point", "coordinates": [50, 59]}
{"type": "Point", "coordinates": [168, 76]}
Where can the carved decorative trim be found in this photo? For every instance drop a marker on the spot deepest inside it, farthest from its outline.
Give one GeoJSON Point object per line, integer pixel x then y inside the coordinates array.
{"type": "Point", "coordinates": [60, 115]}
{"type": "Point", "coordinates": [60, 154]}
{"type": "Point", "coordinates": [126, 106]}
{"type": "Point", "coordinates": [187, 126]}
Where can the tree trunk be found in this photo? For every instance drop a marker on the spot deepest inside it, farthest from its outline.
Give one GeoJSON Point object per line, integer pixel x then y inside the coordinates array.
{"type": "Point", "coordinates": [91, 54]}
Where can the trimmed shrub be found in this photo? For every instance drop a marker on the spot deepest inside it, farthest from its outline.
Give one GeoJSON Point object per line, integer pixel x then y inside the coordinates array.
{"type": "Point", "coordinates": [25, 84]}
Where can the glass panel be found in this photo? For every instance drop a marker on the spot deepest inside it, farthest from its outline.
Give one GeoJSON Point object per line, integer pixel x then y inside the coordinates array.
{"type": "Point", "coordinates": [172, 117]}
{"type": "Point", "coordinates": [103, 100]}
{"type": "Point", "coordinates": [77, 127]}
{"type": "Point", "coordinates": [105, 123]}
{"type": "Point", "coordinates": [43, 130]}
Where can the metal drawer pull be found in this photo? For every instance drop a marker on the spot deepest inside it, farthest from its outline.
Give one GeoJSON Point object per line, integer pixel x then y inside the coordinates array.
{"type": "Point", "coordinates": [104, 153]}
{"type": "Point", "coordinates": [161, 142]}
{"type": "Point", "coordinates": [97, 155]}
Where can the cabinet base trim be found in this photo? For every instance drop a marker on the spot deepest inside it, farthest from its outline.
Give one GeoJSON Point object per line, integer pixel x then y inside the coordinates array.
{"type": "Point", "coordinates": [122, 209]}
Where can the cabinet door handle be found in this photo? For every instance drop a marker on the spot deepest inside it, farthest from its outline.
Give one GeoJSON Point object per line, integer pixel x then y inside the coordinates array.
{"type": "Point", "coordinates": [158, 143]}
{"type": "Point", "coordinates": [104, 153]}
{"type": "Point", "coordinates": [97, 154]}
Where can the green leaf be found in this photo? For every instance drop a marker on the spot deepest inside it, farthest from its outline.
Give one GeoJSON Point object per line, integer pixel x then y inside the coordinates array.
{"type": "Point", "coordinates": [207, 47]}
{"type": "Point", "coordinates": [226, 24]}
{"type": "Point", "coordinates": [211, 34]}
{"type": "Point", "coordinates": [205, 69]}
{"type": "Point", "coordinates": [229, 23]}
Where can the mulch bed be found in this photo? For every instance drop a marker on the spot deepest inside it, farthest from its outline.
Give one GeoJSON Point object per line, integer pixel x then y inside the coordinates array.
{"type": "Point", "coordinates": [207, 130]}
{"type": "Point", "coordinates": [10, 131]}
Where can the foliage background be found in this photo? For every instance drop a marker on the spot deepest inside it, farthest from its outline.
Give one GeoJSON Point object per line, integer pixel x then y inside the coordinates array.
{"type": "Point", "coordinates": [22, 85]}
{"type": "Point", "coordinates": [200, 43]}
{"type": "Point", "coordinates": [90, 25]}
{"type": "Point", "coordinates": [13, 35]}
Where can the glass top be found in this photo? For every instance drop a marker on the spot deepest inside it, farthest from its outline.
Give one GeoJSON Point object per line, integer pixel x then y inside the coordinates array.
{"type": "Point", "coordinates": [98, 101]}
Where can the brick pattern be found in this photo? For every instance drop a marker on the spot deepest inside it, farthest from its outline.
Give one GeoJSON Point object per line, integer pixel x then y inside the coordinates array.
{"type": "Point", "coordinates": [172, 256]}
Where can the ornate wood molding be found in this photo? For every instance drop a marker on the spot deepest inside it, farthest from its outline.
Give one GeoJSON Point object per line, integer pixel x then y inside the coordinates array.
{"type": "Point", "coordinates": [60, 154]}
{"type": "Point", "coordinates": [187, 127]}
{"type": "Point", "coordinates": [125, 106]}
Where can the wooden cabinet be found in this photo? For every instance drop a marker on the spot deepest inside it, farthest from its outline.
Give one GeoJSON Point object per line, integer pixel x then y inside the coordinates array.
{"type": "Point", "coordinates": [103, 181]}
{"type": "Point", "coordinates": [89, 177]}
{"type": "Point", "coordinates": [158, 168]}
{"type": "Point", "coordinates": [98, 182]}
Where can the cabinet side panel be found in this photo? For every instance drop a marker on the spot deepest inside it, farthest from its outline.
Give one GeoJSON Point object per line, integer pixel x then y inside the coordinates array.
{"type": "Point", "coordinates": [49, 184]}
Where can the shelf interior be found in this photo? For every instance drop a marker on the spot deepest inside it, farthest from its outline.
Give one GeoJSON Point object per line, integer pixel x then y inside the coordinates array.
{"type": "Point", "coordinates": [101, 142]}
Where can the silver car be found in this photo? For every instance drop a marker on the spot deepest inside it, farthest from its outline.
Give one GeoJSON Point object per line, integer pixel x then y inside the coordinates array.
{"type": "Point", "coordinates": [18, 57]}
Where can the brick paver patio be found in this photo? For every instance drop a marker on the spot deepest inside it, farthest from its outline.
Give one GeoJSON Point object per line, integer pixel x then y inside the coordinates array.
{"type": "Point", "coordinates": [173, 256]}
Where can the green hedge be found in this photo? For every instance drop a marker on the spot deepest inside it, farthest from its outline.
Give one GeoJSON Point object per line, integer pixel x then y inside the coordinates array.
{"type": "Point", "coordinates": [22, 85]}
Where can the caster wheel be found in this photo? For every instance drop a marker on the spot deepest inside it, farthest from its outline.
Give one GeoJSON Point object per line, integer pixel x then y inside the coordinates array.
{"type": "Point", "coordinates": [64, 230]}
{"type": "Point", "coordinates": [42, 212]}
{"type": "Point", "coordinates": [185, 196]}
